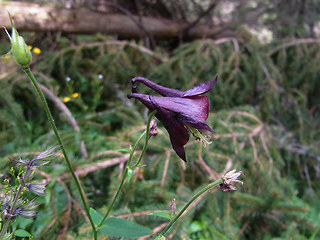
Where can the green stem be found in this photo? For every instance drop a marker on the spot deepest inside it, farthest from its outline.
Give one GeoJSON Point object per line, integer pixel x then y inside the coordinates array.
{"type": "Point", "coordinates": [147, 138]}
{"type": "Point", "coordinates": [211, 185]}
{"type": "Point", "coordinates": [53, 126]}
{"type": "Point", "coordinates": [146, 132]}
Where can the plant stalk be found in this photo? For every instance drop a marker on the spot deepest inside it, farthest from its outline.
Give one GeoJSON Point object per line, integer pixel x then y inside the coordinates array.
{"type": "Point", "coordinates": [54, 128]}
{"type": "Point", "coordinates": [146, 133]}
{"type": "Point", "coordinates": [176, 217]}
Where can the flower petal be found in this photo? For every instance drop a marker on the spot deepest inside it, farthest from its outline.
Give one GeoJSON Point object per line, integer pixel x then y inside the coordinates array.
{"type": "Point", "coordinates": [194, 108]}
{"type": "Point", "coordinates": [178, 133]}
{"type": "Point", "coordinates": [163, 91]}
{"type": "Point", "coordinates": [201, 89]}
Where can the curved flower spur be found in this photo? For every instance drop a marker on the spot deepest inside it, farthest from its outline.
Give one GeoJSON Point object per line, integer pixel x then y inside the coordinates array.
{"type": "Point", "coordinates": [178, 111]}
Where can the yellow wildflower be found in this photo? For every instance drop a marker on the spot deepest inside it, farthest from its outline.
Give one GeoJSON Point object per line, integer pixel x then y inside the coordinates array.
{"type": "Point", "coordinates": [30, 47]}
{"type": "Point", "coordinates": [74, 95]}
{"type": "Point", "coordinates": [36, 50]}
{"type": "Point", "coordinates": [66, 99]}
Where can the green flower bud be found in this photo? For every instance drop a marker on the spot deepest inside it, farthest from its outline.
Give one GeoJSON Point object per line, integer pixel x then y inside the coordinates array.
{"type": "Point", "coordinates": [130, 173]}
{"type": "Point", "coordinates": [19, 48]}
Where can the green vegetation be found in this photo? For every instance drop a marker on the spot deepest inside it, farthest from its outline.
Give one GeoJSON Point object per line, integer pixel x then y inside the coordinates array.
{"type": "Point", "coordinates": [264, 109]}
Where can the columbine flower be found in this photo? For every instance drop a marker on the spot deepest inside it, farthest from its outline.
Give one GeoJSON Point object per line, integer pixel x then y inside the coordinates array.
{"type": "Point", "coordinates": [229, 179]}
{"type": "Point", "coordinates": [37, 188]}
{"type": "Point", "coordinates": [178, 111]}
{"type": "Point", "coordinates": [19, 48]}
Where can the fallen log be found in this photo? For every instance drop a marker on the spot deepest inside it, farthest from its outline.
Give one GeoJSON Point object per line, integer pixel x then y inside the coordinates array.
{"type": "Point", "coordinates": [37, 18]}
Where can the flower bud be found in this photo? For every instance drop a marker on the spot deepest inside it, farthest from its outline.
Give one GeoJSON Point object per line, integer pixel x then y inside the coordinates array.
{"type": "Point", "coordinates": [19, 48]}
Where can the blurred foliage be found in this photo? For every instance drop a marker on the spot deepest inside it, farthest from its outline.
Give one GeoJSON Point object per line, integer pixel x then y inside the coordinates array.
{"type": "Point", "coordinates": [265, 112]}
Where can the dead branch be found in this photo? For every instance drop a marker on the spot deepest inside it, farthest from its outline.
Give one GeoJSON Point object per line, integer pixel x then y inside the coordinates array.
{"type": "Point", "coordinates": [37, 18]}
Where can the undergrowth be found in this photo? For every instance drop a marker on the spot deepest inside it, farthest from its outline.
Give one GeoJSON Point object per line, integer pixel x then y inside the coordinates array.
{"type": "Point", "coordinates": [265, 114]}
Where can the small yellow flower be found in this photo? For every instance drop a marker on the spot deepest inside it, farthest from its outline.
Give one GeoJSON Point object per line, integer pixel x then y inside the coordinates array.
{"type": "Point", "coordinates": [66, 99]}
{"type": "Point", "coordinates": [36, 50]}
{"type": "Point", "coordinates": [74, 95]}
{"type": "Point", "coordinates": [30, 47]}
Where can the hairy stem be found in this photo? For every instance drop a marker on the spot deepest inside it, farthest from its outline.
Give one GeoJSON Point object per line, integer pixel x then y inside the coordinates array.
{"type": "Point", "coordinates": [54, 128]}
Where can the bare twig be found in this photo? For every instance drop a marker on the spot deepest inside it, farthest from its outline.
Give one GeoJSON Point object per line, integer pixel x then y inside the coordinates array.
{"type": "Point", "coordinates": [195, 22]}
{"type": "Point", "coordinates": [137, 21]}
{"type": "Point", "coordinates": [293, 43]}
{"type": "Point", "coordinates": [163, 179]}
{"type": "Point", "coordinates": [66, 111]}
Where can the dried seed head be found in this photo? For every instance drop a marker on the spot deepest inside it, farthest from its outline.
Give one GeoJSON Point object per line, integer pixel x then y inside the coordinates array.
{"type": "Point", "coordinates": [153, 131]}
{"type": "Point", "coordinates": [229, 179]}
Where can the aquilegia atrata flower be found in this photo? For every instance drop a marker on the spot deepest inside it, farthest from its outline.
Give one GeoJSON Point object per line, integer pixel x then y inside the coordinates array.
{"type": "Point", "coordinates": [178, 111]}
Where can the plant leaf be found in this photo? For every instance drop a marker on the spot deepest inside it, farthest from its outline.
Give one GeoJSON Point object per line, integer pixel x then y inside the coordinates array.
{"type": "Point", "coordinates": [119, 227]}
{"type": "Point", "coordinates": [22, 233]}
{"type": "Point", "coordinates": [96, 217]}
{"type": "Point", "coordinates": [161, 214]}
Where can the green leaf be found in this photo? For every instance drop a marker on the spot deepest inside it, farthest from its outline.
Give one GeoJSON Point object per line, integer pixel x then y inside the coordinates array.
{"type": "Point", "coordinates": [96, 217]}
{"type": "Point", "coordinates": [130, 173]}
{"type": "Point", "coordinates": [22, 233]}
{"type": "Point", "coordinates": [119, 227]}
{"type": "Point", "coordinates": [142, 165]}
{"type": "Point", "coordinates": [196, 226]}
{"type": "Point", "coordinates": [161, 214]}
{"type": "Point", "coordinates": [122, 150]}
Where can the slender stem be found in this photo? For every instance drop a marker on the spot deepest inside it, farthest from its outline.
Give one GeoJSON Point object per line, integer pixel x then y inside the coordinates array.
{"type": "Point", "coordinates": [146, 132]}
{"type": "Point", "coordinates": [147, 137]}
{"type": "Point", "coordinates": [53, 126]}
{"type": "Point", "coordinates": [211, 185]}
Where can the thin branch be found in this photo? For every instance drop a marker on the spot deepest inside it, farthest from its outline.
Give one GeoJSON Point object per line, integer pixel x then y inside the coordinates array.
{"type": "Point", "coordinates": [138, 21]}
{"type": "Point", "coordinates": [66, 111]}
{"type": "Point", "coordinates": [293, 43]}
{"type": "Point", "coordinates": [195, 22]}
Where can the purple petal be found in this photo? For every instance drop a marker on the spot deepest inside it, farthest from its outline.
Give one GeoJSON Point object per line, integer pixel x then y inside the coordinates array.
{"type": "Point", "coordinates": [201, 89]}
{"type": "Point", "coordinates": [145, 99]}
{"type": "Point", "coordinates": [196, 108]}
{"type": "Point", "coordinates": [178, 133]}
{"type": "Point", "coordinates": [163, 91]}
{"type": "Point", "coordinates": [195, 124]}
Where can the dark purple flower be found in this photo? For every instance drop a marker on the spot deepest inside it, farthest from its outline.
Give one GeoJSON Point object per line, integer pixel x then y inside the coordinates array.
{"type": "Point", "coordinates": [178, 111]}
